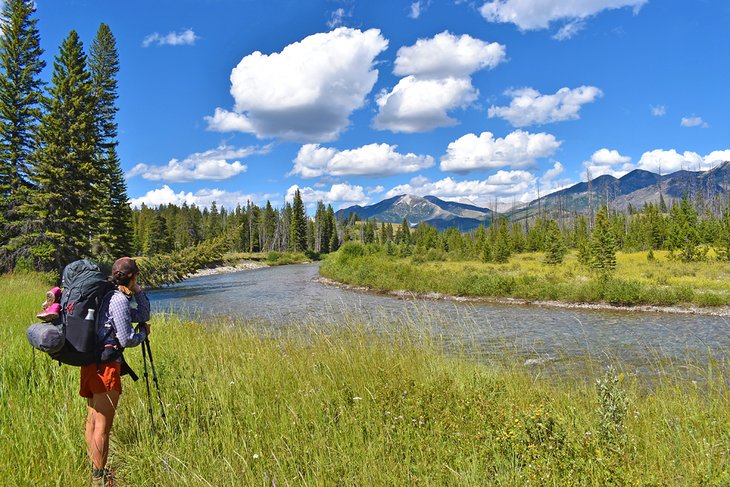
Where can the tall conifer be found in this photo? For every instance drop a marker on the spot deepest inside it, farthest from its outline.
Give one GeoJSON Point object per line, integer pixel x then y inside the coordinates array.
{"type": "Point", "coordinates": [61, 213]}
{"type": "Point", "coordinates": [21, 93]}
{"type": "Point", "coordinates": [298, 225]}
{"type": "Point", "coordinates": [114, 232]}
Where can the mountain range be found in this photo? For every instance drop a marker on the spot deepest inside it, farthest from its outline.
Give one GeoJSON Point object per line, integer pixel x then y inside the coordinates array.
{"type": "Point", "coordinates": [633, 189]}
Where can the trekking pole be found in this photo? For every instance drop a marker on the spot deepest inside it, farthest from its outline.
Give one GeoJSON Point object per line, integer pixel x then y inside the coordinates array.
{"type": "Point", "coordinates": [154, 379]}
{"type": "Point", "coordinates": [147, 382]}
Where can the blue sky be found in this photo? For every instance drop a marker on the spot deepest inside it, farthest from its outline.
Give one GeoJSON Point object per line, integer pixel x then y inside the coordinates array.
{"type": "Point", "coordinates": [353, 101]}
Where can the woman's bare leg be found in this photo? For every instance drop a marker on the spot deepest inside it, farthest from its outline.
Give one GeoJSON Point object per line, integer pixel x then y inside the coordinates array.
{"type": "Point", "coordinates": [98, 425]}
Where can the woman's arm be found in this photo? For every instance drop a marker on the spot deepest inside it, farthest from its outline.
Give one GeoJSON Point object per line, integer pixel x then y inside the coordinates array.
{"type": "Point", "coordinates": [122, 319]}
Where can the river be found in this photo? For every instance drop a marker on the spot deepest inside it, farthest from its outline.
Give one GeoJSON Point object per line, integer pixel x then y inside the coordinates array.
{"type": "Point", "coordinates": [279, 296]}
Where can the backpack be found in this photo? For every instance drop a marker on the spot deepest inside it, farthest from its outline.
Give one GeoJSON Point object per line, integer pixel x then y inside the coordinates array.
{"type": "Point", "coordinates": [73, 340]}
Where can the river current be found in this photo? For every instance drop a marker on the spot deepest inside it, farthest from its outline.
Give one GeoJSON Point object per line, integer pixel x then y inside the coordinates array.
{"type": "Point", "coordinates": [285, 295]}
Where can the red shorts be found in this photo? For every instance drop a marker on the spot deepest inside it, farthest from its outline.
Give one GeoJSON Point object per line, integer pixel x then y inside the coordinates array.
{"type": "Point", "coordinates": [107, 378]}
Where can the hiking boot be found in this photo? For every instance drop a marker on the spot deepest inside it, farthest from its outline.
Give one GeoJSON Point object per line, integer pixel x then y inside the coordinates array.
{"type": "Point", "coordinates": [52, 296]}
{"type": "Point", "coordinates": [50, 313]}
{"type": "Point", "coordinates": [103, 478]}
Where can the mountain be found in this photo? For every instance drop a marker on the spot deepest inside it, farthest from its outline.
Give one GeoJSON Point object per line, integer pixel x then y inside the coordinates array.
{"type": "Point", "coordinates": [416, 209]}
{"type": "Point", "coordinates": [633, 189]}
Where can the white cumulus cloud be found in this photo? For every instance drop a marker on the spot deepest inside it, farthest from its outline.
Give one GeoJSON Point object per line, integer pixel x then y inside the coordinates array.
{"type": "Point", "coordinates": [552, 173]}
{"type": "Point", "coordinates": [669, 161]}
{"type": "Point", "coordinates": [420, 105]}
{"type": "Point", "coordinates": [503, 184]}
{"type": "Point", "coordinates": [694, 121]}
{"type": "Point", "coordinates": [538, 14]}
{"type": "Point", "coordinates": [447, 55]}
{"type": "Point", "coordinates": [212, 165]}
{"type": "Point", "coordinates": [307, 91]}
{"type": "Point", "coordinates": [518, 149]}
{"type": "Point", "coordinates": [372, 160]}
{"type": "Point", "coordinates": [605, 161]}
{"type": "Point", "coordinates": [529, 106]}
{"type": "Point", "coordinates": [338, 195]}
{"type": "Point", "coordinates": [184, 38]}
{"type": "Point", "coordinates": [436, 79]}
{"type": "Point", "coordinates": [203, 198]}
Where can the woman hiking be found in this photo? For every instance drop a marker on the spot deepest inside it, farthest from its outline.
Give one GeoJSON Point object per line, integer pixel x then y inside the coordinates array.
{"type": "Point", "coordinates": [101, 384]}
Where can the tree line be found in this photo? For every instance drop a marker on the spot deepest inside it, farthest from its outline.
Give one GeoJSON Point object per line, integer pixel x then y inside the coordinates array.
{"type": "Point", "coordinates": [62, 190]}
{"type": "Point", "coordinates": [249, 228]}
{"type": "Point", "coordinates": [681, 229]}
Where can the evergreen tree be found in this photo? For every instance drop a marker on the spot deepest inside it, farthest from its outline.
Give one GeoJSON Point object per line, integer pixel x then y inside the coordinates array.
{"type": "Point", "coordinates": [555, 248]}
{"type": "Point", "coordinates": [334, 242]}
{"type": "Point", "coordinates": [159, 240]}
{"type": "Point", "coordinates": [114, 231]}
{"type": "Point", "coordinates": [723, 241]}
{"type": "Point", "coordinates": [603, 246]}
{"type": "Point", "coordinates": [684, 235]}
{"type": "Point", "coordinates": [21, 93]}
{"type": "Point", "coordinates": [405, 232]}
{"type": "Point", "coordinates": [298, 226]}
{"type": "Point", "coordinates": [60, 214]}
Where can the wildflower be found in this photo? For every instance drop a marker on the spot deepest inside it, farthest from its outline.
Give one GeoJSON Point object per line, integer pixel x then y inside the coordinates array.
{"type": "Point", "coordinates": [255, 456]}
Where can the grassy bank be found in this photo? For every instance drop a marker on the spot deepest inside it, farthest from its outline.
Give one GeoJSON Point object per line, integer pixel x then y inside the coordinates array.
{"type": "Point", "coordinates": [637, 280]}
{"type": "Point", "coordinates": [320, 406]}
{"type": "Point", "coordinates": [269, 258]}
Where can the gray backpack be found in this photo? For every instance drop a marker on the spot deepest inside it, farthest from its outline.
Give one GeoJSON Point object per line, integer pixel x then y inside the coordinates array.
{"type": "Point", "coordinates": [72, 340]}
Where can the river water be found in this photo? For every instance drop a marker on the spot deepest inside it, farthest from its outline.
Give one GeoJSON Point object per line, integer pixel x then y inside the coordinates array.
{"type": "Point", "coordinates": [280, 296]}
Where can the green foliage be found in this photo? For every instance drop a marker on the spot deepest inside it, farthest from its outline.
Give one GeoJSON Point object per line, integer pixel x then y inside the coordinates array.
{"type": "Point", "coordinates": [162, 269]}
{"type": "Point", "coordinates": [298, 238]}
{"type": "Point", "coordinates": [61, 213]}
{"type": "Point", "coordinates": [21, 93]}
{"type": "Point", "coordinates": [613, 406]}
{"type": "Point", "coordinates": [555, 248]}
{"type": "Point", "coordinates": [603, 244]}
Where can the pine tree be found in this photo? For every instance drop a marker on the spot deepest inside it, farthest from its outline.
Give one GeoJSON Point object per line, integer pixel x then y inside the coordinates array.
{"type": "Point", "coordinates": [723, 241]}
{"type": "Point", "coordinates": [60, 214]}
{"type": "Point", "coordinates": [298, 226]}
{"type": "Point", "coordinates": [405, 232]}
{"type": "Point", "coordinates": [334, 243]}
{"type": "Point", "coordinates": [555, 248]}
{"type": "Point", "coordinates": [603, 246]}
{"type": "Point", "coordinates": [114, 230]}
{"type": "Point", "coordinates": [21, 93]}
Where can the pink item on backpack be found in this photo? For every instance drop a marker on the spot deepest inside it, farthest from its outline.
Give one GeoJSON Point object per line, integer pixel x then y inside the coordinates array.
{"type": "Point", "coordinates": [50, 313]}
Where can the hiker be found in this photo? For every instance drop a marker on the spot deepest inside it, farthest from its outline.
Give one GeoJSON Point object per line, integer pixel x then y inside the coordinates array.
{"type": "Point", "coordinates": [101, 383]}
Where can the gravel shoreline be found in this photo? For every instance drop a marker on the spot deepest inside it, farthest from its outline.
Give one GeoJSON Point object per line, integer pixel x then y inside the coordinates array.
{"type": "Point", "coordinates": [723, 311]}
{"type": "Point", "coordinates": [246, 265]}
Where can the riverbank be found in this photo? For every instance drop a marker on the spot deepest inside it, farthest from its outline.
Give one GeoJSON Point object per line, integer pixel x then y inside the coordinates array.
{"type": "Point", "coordinates": [721, 311]}
{"type": "Point", "coordinates": [225, 269]}
{"type": "Point", "coordinates": [344, 405]}
{"type": "Point", "coordinates": [246, 261]}
{"type": "Point", "coordinates": [639, 284]}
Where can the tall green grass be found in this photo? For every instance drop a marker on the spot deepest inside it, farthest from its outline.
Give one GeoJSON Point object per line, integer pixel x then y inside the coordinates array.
{"type": "Point", "coordinates": [309, 405]}
{"type": "Point", "coordinates": [636, 281]}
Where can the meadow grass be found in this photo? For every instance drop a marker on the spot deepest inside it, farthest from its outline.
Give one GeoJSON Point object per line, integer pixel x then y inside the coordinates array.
{"type": "Point", "coordinates": [309, 405]}
{"type": "Point", "coordinates": [636, 281]}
